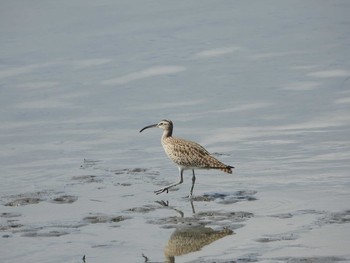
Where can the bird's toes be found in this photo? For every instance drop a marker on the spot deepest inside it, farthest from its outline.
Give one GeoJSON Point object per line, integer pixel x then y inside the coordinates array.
{"type": "Point", "coordinates": [161, 191]}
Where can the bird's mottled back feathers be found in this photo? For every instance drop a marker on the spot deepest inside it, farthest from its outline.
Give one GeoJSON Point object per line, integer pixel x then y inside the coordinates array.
{"type": "Point", "coordinates": [192, 155]}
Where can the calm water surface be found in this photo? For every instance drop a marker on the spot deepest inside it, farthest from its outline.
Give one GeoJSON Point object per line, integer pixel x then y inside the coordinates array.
{"type": "Point", "coordinates": [263, 85]}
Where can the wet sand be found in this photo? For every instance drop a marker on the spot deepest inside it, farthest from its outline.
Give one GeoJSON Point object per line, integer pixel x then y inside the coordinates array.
{"type": "Point", "coordinates": [222, 226]}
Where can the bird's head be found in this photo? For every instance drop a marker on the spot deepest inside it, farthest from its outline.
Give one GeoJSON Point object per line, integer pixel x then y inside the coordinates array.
{"type": "Point", "coordinates": [166, 125]}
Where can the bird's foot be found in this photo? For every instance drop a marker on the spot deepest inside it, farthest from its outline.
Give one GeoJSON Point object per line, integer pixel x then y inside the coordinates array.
{"type": "Point", "coordinates": [162, 190]}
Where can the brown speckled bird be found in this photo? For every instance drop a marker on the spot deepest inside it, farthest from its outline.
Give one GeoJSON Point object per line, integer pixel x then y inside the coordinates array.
{"type": "Point", "coordinates": [187, 155]}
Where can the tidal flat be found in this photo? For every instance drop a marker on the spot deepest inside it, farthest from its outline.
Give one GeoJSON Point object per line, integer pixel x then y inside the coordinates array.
{"type": "Point", "coordinates": [263, 85]}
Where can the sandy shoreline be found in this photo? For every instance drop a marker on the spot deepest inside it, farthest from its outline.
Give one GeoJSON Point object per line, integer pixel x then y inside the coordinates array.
{"type": "Point", "coordinates": [243, 226]}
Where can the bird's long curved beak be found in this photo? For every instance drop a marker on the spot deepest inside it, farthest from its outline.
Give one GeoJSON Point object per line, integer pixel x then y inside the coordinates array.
{"type": "Point", "coordinates": [149, 126]}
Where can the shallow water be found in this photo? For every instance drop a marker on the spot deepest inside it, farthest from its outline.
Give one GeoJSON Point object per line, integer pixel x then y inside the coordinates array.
{"type": "Point", "coordinates": [262, 85]}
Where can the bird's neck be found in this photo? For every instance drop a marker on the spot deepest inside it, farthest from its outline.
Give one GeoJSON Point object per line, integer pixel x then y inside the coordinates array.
{"type": "Point", "coordinates": [167, 134]}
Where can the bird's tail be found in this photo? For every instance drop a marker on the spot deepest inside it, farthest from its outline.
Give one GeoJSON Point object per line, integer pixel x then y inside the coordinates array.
{"type": "Point", "coordinates": [227, 169]}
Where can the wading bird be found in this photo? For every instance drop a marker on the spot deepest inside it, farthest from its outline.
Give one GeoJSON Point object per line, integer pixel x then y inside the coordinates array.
{"type": "Point", "coordinates": [186, 154]}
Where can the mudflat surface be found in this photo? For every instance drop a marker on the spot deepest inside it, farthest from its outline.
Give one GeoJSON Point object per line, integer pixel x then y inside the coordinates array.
{"type": "Point", "coordinates": [263, 85]}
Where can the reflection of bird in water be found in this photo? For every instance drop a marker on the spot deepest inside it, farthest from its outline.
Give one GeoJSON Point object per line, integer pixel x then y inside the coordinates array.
{"type": "Point", "coordinates": [190, 239]}
{"type": "Point", "coordinates": [186, 154]}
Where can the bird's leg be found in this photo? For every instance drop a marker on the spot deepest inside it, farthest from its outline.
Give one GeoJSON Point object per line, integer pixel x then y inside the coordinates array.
{"type": "Point", "coordinates": [193, 181]}
{"type": "Point", "coordinates": [166, 188]}
{"type": "Point", "coordinates": [192, 206]}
